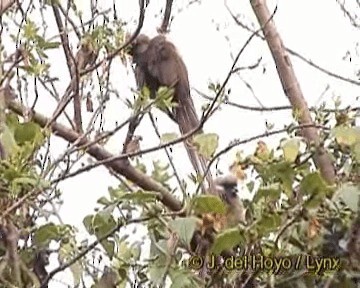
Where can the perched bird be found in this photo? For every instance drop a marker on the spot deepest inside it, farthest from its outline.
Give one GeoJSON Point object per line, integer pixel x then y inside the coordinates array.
{"type": "Point", "coordinates": [134, 145]}
{"type": "Point", "coordinates": [211, 224]}
{"type": "Point", "coordinates": [226, 188]}
{"type": "Point", "coordinates": [157, 63]}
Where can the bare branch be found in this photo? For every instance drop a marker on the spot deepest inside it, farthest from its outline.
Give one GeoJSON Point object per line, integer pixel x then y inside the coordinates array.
{"type": "Point", "coordinates": [5, 5]}
{"type": "Point", "coordinates": [64, 39]}
{"type": "Point", "coordinates": [350, 15]}
{"type": "Point", "coordinates": [164, 26]}
{"type": "Point", "coordinates": [127, 42]}
{"type": "Point", "coordinates": [209, 111]}
{"type": "Point", "coordinates": [294, 53]}
{"type": "Point", "coordinates": [275, 108]}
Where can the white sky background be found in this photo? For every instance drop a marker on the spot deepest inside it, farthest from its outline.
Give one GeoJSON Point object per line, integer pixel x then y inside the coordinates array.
{"type": "Point", "coordinates": [315, 29]}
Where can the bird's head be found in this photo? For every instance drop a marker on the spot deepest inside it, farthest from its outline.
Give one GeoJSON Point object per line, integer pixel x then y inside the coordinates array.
{"type": "Point", "coordinates": [227, 188]}
{"type": "Point", "coordinates": [138, 46]}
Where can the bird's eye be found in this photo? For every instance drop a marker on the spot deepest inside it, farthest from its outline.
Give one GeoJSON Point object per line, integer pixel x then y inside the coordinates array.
{"type": "Point", "coordinates": [234, 191]}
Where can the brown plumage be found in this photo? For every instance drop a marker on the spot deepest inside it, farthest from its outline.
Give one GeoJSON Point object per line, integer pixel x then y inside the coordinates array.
{"type": "Point", "coordinates": [159, 64]}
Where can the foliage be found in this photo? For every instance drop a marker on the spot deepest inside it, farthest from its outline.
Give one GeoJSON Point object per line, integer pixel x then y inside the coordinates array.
{"type": "Point", "coordinates": [294, 218]}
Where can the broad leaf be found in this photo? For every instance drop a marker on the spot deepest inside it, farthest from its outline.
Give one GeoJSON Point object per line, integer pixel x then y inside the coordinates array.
{"type": "Point", "coordinates": [206, 144]}
{"type": "Point", "coordinates": [269, 193]}
{"type": "Point", "coordinates": [184, 227]}
{"type": "Point", "coordinates": [168, 137]}
{"type": "Point", "coordinates": [291, 149]}
{"type": "Point", "coordinates": [346, 135]}
{"type": "Point", "coordinates": [208, 204]}
{"type": "Point", "coordinates": [349, 194]}
{"type": "Point", "coordinates": [227, 240]}
{"type": "Point", "coordinates": [8, 140]}
{"type": "Point", "coordinates": [313, 184]}
{"type": "Point", "coordinates": [45, 234]}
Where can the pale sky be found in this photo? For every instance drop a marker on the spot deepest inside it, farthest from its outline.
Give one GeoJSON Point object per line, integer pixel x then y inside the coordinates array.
{"type": "Point", "coordinates": [315, 29]}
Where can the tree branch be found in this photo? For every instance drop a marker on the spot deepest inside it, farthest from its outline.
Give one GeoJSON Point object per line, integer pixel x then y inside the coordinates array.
{"type": "Point", "coordinates": [5, 5]}
{"type": "Point", "coordinates": [164, 26]}
{"type": "Point", "coordinates": [121, 166]}
{"type": "Point", "coordinates": [292, 88]}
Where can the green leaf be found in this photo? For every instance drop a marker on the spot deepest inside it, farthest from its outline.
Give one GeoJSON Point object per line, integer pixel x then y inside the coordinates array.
{"type": "Point", "coordinates": [51, 45]}
{"type": "Point", "coordinates": [100, 223]}
{"type": "Point", "coordinates": [349, 194]}
{"type": "Point", "coordinates": [346, 135]}
{"type": "Point", "coordinates": [250, 186]}
{"type": "Point", "coordinates": [128, 253]}
{"type": "Point", "coordinates": [206, 144]}
{"type": "Point", "coordinates": [286, 174]}
{"type": "Point", "coordinates": [66, 253]}
{"type": "Point", "coordinates": [30, 30]}
{"type": "Point", "coordinates": [103, 201]}
{"type": "Point", "coordinates": [25, 181]}
{"type": "Point", "coordinates": [268, 224]}
{"type": "Point", "coordinates": [183, 279]}
{"type": "Point", "coordinates": [27, 132]}
{"type": "Point", "coordinates": [208, 203]}
{"type": "Point", "coordinates": [184, 227]}
{"type": "Point", "coordinates": [38, 68]}
{"type": "Point", "coordinates": [271, 193]}
{"type": "Point", "coordinates": [168, 137]}
{"type": "Point", "coordinates": [8, 141]}
{"type": "Point", "coordinates": [145, 93]}
{"type": "Point", "coordinates": [109, 247]}
{"type": "Point", "coordinates": [12, 121]}
{"type": "Point", "coordinates": [313, 184]}
{"type": "Point", "coordinates": [164, 97]}
{"type": "Point", "coordinates": [18, 184]}
{"type": "Point", "coordinates": [88, 224]}
{"type": "Point", "coordinates": [76, 270]}
{"type": "Point", "coordinates": [116, 193]}
{"type": "Point", "coordinates": [227, 239]}
{"type": "Point", "coordinates": [159, 249]}
{"type": "Point", "coordinates": [160, 173]}
{"type": "Point", "coordinates": [314, 201]}
{"type": "Point", "coordinates": [45, 234]}
{"type": "Point", "coordinates": [123, 274]}
{"type": "Point", "coordinates": [291, 149]}
{"type": "Point", "coordinates": [136, 251]}
{"type": "Point", "coordinates": [157, 269]}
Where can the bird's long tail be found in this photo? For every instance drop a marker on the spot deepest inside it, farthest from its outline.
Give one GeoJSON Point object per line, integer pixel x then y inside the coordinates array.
{"type": "Point", "coordinates": [199, 163]}
{"type": "Point", "coordinates": [187, 120]}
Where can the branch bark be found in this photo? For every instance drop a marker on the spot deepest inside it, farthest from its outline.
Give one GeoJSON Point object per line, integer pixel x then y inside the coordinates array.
{"type": "Point", "coordinates": [5, 5]}
{"type": "Point", "coordinates": [164, 28]}
{"type": "Point", "coordinates": [292, 89]}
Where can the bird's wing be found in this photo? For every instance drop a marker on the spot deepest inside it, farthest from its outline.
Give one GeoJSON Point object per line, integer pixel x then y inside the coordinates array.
{"type": "Point", "coordinates": [139, 76]}
{"type": "Point", "coordinates": [161, 61]}
{"type": "Point", "coordinates": [170, 70]}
